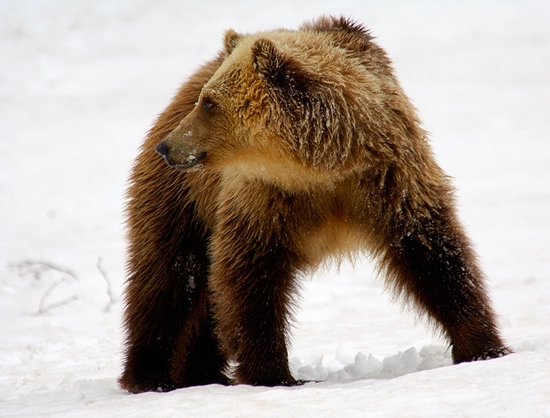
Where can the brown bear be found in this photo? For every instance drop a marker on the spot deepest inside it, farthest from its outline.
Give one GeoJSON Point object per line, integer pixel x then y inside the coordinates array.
{"type": "Point", "coordinates": [290, 147]}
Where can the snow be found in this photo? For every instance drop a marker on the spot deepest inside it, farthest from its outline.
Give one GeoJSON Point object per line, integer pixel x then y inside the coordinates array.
{"type": "Point", "coordinates": [80, 84]}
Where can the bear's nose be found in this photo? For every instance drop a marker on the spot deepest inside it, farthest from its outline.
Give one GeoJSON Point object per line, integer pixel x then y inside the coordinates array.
{"type": "Point", "coordinates": [162, 149]}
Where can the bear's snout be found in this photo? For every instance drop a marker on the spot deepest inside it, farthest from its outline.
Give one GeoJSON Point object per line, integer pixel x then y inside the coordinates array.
{"type": "Point", "coordinates": [184, 160]}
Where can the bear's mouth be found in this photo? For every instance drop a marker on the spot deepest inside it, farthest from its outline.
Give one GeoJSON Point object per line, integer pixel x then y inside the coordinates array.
{"type": "Point", "coordinates": [192, 162]}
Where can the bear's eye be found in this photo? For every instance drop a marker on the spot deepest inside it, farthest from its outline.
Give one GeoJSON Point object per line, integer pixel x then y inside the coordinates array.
{"type": "Point", "coordinates": [207, 104]}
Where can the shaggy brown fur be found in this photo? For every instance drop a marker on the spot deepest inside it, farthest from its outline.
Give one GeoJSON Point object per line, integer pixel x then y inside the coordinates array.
{"type": "Point", "coordinates": [292, 146]}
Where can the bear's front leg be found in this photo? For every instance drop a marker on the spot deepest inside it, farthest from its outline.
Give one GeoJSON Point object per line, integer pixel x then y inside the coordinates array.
{"type": "Point", "coordinates": [252, 283]}
{"type": "Point", "coordinates": [434, 264]}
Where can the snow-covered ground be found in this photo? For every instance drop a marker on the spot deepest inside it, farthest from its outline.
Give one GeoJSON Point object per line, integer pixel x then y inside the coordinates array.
{"type": "Point", "coordinates": [80, 84]}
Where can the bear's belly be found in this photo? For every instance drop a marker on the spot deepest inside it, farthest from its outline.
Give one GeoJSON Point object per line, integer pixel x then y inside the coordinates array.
{"type": "Point", "coordinates": [333, 240]}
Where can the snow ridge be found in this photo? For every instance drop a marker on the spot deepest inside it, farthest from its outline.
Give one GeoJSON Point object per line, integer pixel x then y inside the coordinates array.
{"type": "Point", "coordinates": [338, 368]}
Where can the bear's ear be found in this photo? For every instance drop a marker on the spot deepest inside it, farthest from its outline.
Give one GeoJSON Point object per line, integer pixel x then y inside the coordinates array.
{"type": "Point", "coordinates": [231, 40]}
{"type": "Point", "coordinates": [281, 70]}
{"type": "Point", "coordinates": [268, 60]}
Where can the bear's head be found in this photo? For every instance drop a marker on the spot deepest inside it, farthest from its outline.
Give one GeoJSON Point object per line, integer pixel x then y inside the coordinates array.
{"type": "Point", "coordinates": [284, 106]}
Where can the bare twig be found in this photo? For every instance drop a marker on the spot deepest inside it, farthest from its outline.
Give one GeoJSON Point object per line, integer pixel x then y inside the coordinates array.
{"type": "Point", "coordinates": [43, 308]}
{"type": "Point", "coordinates": [112, 298]}
{"type": "Point", "coordinates": [36, 270]}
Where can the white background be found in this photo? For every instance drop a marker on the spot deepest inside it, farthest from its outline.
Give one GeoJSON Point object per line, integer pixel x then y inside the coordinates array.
{"type": "Point", "coordinates": [81, 83]}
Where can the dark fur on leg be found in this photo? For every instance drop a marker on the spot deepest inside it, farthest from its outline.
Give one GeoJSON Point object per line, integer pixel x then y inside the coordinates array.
{"type": "Point", "coordinates": [201, 362]}
{"type": "Point", "coordinates": [431, 262]}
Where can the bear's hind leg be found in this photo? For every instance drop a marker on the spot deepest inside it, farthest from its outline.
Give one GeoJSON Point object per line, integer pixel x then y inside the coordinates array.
{"type": "Point", "coordinates": [150, 321]}
{"type": "Point", "coordinates": [169, 342]}
{"type": "Point", "coordinates": [202, 362]}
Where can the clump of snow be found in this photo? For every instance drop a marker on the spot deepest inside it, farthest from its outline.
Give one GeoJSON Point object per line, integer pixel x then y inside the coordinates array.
{"type": "Point", "coordinates": [345, 366]}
